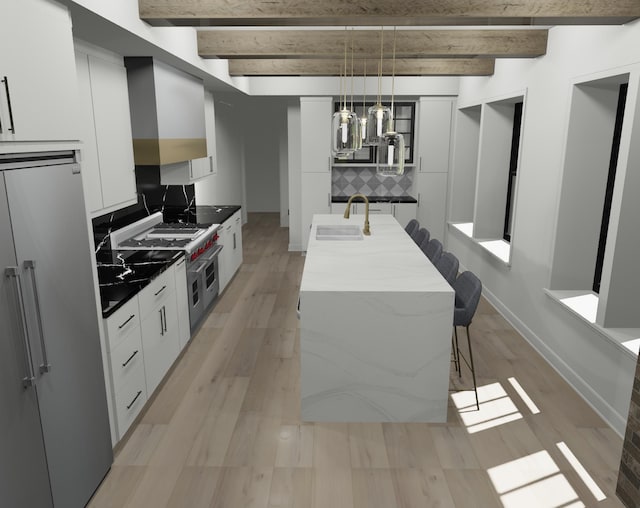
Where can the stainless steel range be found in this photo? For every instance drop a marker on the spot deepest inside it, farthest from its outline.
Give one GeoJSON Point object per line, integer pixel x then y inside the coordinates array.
{"type": "Point", "coordinates": [200, 248]}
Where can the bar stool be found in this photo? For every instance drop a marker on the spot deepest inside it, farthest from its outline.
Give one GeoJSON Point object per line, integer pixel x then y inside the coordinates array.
{"type": "Point", "coordinates": [433, 250]}
{"type": "Point", "coordinates": [421, 236]}
{"type": "Point", "coordinates": [412, 227]}
{"type": "Point", "coordinates": [468, 289]}
{"type": "Point", "coordinates": [448, 265]}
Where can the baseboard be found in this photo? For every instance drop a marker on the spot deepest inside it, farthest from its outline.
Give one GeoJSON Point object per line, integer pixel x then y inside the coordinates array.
{"type": "Point", "coordinates": [616, 421]}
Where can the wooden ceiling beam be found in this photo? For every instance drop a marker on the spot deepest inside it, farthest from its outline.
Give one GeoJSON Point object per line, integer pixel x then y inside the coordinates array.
{"type": "Point", "coordinates": [334, 67]}
{"type": "Point", "coordinates": [376, 12]}
{"type": "Point", "coordinates": [409, 43]}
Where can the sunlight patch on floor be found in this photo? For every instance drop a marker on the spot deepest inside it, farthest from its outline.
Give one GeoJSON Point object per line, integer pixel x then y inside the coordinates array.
{"type": "Point", "coordinates": [581, 471]}
{"type": "Point", "coordinates": [496, 407]}
{"type": "Point", "coordinates": [533, 481]}
{"type": "Point", "coordinates": [524, 396]}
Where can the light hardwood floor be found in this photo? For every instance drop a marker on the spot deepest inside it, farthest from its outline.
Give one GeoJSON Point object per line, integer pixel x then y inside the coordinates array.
{"type": "Point", "coordinates": [225, 429]}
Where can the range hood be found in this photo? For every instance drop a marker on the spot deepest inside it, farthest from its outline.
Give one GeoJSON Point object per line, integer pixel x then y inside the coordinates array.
{"type": "Point", "coordinates": [167, 113]}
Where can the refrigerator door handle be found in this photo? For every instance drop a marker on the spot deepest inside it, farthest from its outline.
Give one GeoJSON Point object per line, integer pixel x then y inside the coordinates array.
{"type": "Point", "coordinates": [13, 272]}
{"type": "Point", "coordinates": [45, 366]}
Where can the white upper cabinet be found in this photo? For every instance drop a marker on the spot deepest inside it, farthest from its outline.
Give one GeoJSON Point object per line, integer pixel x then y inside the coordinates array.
{"type": "Point", "coordinates": [434, 134]}
{"type": "Point", "coordinates": [315, 137]}
{"type": "Point", "coordinates": [38, 91]}
{"type": "Point", "coordinates": [107, 161]}
{"type": "Point", "coordinates": [210, 128]}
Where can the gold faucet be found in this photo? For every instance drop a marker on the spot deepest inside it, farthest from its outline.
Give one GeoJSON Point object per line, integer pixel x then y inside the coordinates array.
{"type": "Point", "coordinates": [366, 229]}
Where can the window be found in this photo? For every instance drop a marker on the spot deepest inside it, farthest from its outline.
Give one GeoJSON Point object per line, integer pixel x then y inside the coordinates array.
{"type": "Point", "coordinates": [513, 167]}
{"type": "Point", "coordinates": [613, 163]}
{"type": "Point", "coordinates": [404, 123]}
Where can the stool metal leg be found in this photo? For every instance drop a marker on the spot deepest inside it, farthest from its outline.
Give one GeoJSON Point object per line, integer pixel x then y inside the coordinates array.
{"type": "Point", "coordinates": [473, 370]}
{"type": "Point", "coordinates": [455, 332]}
{"type": "Point", "coordinates": [456, 360]}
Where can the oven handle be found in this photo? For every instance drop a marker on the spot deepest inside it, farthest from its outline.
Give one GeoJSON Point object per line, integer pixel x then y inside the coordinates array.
{"type": "Point", "coordinates": [215, 252]}
{"type": "Point", "coordinates": [199, 269]}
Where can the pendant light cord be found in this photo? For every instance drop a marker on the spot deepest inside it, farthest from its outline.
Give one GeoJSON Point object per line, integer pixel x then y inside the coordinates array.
{"type": "Point", "coordinates": [352, 68]}
{"type": "Point", "coordinates": [345, 67]}
{"type": "Point", "coordinates": [380, 66]}
{"type": "Point", "coordinates": [364, 89]}
{"type": "Point", "coordinates": [393, 77]}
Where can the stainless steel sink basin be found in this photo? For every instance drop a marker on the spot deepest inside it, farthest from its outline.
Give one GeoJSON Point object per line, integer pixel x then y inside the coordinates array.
{"type": "Point", "coordinates": [339, 232]}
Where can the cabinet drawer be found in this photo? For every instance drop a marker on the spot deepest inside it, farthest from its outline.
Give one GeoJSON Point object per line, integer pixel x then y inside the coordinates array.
{"type": "Point", "coordinates": [157, 292]}
{"type": "Point", "coordinates": [122, 322]}
{"type": "Point", "coordinates": [126, 359]}
{"type": "Point", "coordinates": [130, 400]}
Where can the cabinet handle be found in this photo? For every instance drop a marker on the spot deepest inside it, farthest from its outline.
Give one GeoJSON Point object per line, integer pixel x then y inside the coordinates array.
{"type": "Point", "coordinates": [28, 380]}
{"type": "Point", "coordinates": [130, 358]}
{"type": "Point", "coordinates": [180, 263]}
{"type": "Point", "coordinates": [161, 323]}
{"type": "Point", "coordinates": [420, 164]}
{"type": "Point", "coordinates": [6, 87]}
{"type": "Point", "coordinates": [191, 169]}
{"type": "Point", "coordinates": [234, 241]}
{"type": "Point", "coordinates": [123, 324]}
{"type": "Point", "coordinates": [418, 199]}
{"type": "Point", "coordinates": [134, 399]}
{"type": "Point", "coordinates": [329, 199]}
{"type": "Point", "coordinates": [160, 290]}
{"type": "Point", "coordinates": [164, 313]}
{"type": "Point", "coordinates": [210, 163]}
{"type": "Point", "coordinates": [31, 266]}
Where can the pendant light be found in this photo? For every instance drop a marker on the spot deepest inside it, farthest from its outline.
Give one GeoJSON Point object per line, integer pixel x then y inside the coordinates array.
{"type": "Point", "coordinates": [344, 126]}
{"type": "Point", "coordinates": [391, 145]}
{"type": "Point", "coordinates": [378, 116]}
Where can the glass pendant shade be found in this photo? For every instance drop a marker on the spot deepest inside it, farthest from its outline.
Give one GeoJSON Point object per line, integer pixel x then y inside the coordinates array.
{"type": "Point", "coordinates": [345, 132]}
{"type": "Point", "coordinates": [379, 120]}
{"type": "Point", "coordinates": [391, 154]}
{"type": "Point", "coordinates": [362, 131]}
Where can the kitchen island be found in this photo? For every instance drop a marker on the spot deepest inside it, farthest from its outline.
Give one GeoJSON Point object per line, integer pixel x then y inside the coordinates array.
{"type": "Point", "coordinates": [375, 328]}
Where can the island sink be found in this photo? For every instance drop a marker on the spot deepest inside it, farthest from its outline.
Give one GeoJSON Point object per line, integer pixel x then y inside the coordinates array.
{"type": "Point", "coordinates": [338, 232]}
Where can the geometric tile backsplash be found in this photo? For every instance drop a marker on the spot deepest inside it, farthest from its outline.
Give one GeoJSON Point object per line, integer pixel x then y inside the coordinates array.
{"type": "Point", "coordinates": [348, 181]}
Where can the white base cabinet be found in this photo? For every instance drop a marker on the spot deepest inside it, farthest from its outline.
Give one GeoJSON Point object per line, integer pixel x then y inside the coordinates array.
{"type": "Point", "coordinates": [230, 259]}
{"type": "Point", "coordinates": [432, 202]}
{"type": "Point", "coordinates": [143, 338]}
{"type": "Point", "coordinates": [126, 366]}
{"type": "Point", "coordinates": [182, 303]}
{"type": "Point", "coordinates": [403, 212]}
{"type": "Point", "coordinates": [38, 92]}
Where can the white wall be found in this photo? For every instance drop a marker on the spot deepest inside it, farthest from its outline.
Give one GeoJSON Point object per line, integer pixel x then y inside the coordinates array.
{"type": "Point", "coordinates": [294, 158]}
{"type": "Point", "coordinates": [598, 368]}
{"type": "Point", "coordinates": [226, 187]}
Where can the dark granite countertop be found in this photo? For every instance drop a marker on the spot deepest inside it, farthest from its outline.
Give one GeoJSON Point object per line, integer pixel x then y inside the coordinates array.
{"type": "Point", "coordinates": [376, 199]}
{"type": "Point", "coordinates": [200, 215]}
{"type": "Point", "coordinates": [122, 274]}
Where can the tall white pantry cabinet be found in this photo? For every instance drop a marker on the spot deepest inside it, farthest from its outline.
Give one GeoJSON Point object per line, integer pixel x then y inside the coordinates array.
{"type": "Point", "coordinates": [315, 152]}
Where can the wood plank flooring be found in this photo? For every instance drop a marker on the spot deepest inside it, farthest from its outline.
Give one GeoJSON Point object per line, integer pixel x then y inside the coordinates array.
{"type": "Point", "coordinates": [225, 432]}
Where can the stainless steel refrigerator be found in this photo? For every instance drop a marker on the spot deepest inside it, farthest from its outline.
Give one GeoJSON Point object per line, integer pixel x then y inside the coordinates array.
{"type": "Point", "coordinates": [55, 444]}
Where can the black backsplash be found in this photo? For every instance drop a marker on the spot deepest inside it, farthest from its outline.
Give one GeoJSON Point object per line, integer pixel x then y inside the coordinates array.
{"type": "Point", "coordinates": [152, 197]}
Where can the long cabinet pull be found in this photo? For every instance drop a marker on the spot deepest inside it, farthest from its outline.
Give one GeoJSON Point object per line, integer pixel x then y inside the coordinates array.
{"type": "Point", "coordinates": [134, 399]}
{"type": "Point", "coordinates": [12, 128]}
{"type": "Point", "coordinates": [181, 262]}
{"type": "Point", "coordinates": [45, 366]}
{"type": "Point", "coordinates": [124, 324]}
{"type": "Point", "coordinates": [130, 358]}
{"type": "Point", "coordinates": [161, 323]}
{"type": "Point", "coordinates": [164, 313]}
{"type": "Point", "coordinates": [13, 272]}
{"type": "Point", "coordinates": [160, 290]}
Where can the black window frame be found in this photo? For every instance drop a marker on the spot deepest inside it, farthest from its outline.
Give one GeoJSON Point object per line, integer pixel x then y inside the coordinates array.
{"type": "Point", "coordinates": [608, 194]}
{"type": "Point", "coordinates": [513, 169]}
{"type": "Point", "coordinates": [368, 154]}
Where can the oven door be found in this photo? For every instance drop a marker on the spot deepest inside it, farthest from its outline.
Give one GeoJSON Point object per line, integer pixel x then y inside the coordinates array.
{"type": "Point", "coordinates": [211, 275]}
{"type": "Point", "coordinates": [195, 285]}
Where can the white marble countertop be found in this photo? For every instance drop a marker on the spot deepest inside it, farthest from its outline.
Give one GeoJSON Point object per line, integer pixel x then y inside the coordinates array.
{"type": "Point", "coordinates": [388, 260]}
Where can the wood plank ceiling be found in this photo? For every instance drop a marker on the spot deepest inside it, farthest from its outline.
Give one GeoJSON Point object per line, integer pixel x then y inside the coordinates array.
{"type": "Point", "coordinates": [434, 38]}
